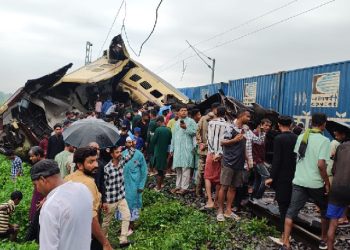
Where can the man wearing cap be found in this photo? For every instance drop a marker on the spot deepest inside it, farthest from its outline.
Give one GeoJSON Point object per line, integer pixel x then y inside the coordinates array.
{"type": "Point", "coordinates": [135, 176]}
{"type": "Point", "coordinates": [65, 220]}
{"type": "Point", "coordinates": [139, 141]}
{"type": "Point", "coordinates": [86, 163]}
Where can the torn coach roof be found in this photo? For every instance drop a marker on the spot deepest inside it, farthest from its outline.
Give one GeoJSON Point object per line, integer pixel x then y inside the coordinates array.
{"type": "Point", "coordinates": [35, 108]}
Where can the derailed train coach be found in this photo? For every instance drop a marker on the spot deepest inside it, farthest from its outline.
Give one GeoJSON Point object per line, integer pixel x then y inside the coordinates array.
{"type": "Point", "coordinates": [42, 102]}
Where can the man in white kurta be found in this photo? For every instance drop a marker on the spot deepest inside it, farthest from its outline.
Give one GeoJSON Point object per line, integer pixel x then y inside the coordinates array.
{"type": "Point", "coordinates": [65, 218]}
{"type": "Point", "coordinates": [182, 149]}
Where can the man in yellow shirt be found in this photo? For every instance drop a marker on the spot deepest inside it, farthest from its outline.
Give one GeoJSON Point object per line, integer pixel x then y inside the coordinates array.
{"type": "Point", "coordinates": [87, 166]}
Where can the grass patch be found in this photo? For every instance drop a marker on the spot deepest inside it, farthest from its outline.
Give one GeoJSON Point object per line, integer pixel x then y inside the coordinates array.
{"type": "Point", "coordinates": [21, 214]}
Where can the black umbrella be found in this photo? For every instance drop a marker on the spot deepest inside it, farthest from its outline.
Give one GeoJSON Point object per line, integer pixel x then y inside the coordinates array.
{"type": "Point", "coordinates": [82, 132]}
{"type": "Point", "coordinates": [333, 126]}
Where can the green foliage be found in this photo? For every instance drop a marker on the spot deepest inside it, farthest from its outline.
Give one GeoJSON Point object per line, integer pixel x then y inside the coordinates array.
{"type": "Point", "coordinates": [257, 227]}
{"type": "Point", "coordinates": [5, 245]}
{"type": "Point", "coordinates": [168, 224]}
{"type": "Point", "coordinates": [149, 198]}
{"type": "Point", "coordinates": [21, 214]}
{"type": "Point", "coordinates": [164, 223]}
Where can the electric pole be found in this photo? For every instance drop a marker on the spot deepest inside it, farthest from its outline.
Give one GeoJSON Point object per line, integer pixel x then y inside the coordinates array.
{"type": "Point", "coordinates": [211, 67]}
{"type": "Point", "coordinates": [88, 53]}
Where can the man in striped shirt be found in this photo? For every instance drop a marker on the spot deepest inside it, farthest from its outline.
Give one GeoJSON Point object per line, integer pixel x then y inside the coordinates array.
{"type": "Point", "coordinates": [216, 131]}
{"type": "Point", "coordinates": [6, 209]}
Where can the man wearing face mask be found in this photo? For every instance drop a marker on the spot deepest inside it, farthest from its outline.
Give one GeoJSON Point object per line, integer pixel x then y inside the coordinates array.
{"type": "Point", "coordinates": [86, 164]}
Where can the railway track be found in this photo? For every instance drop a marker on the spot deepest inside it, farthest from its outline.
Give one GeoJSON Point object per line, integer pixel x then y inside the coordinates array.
{"type": "Point", "coordinates": [306, 230]}
{"type": "Point", "coordinates": [307, 227]}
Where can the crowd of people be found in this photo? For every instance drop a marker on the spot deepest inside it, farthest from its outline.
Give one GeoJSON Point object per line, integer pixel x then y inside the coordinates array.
{"type": "Point", "coordinates": [226, 161]}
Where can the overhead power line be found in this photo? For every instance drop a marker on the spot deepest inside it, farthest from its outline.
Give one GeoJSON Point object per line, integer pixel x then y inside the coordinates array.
{"type": "Point", "coordinates": [233, 28]}
{"type": "Point", "coordinates": [197, 52]}
{"type": "Point", "coordinates": [253, 32]}
{"type": "Point", "coordinates": [211, 67]}
{"type": "Point", "coordinates": [154, 26]}
{"type": "Point", "coordinates": [123, 29]}
{"type": "Point", "coordinates": [110, 29]}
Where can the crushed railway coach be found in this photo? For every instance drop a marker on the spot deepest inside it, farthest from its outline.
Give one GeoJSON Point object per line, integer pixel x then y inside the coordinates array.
{"type": "Point", "coordinates": [35, 108]}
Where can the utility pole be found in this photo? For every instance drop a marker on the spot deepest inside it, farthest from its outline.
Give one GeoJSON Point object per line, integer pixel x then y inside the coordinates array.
{"type": "Point", "coordinates": [212, 70]}
{"type": "Point", "coordinates": [212, 67]}
{"type": "Point", "coordinates": [88, 53]}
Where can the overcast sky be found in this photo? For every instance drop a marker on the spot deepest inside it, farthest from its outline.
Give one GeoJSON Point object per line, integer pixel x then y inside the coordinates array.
{"type": "Point", "coordinates": [38, 37]}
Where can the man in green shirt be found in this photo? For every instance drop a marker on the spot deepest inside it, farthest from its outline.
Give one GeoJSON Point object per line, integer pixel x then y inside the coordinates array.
{"type": "Point", "coordinates": [310, 179]}
{"type": "Point", "coordinates": [149, 146]}
{"type": "Point", "coordinates": [65, 160]}
{"type": "Point", "coordinates": [136, 118]}
{"type": "Point", "coordinates": [160, 142]}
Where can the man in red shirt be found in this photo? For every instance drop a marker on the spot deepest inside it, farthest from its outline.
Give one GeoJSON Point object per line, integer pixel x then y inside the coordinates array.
{"type": "Point", "coordinates": [44, 143]}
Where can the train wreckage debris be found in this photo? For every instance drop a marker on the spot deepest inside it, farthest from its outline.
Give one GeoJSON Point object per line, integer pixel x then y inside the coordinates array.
{"type": "Point", "coordinates": [34, 109]}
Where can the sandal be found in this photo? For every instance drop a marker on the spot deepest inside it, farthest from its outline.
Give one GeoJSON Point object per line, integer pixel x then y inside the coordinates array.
{"type": "Point", "coordinates": [343, 221]}
{"type": "Point", "coordinates": [232, 216]}
{"type": "Point", "coordinates": [209, 207]}
{"type": "Point", "coordinates": [130, 232]}
{"type": "Point", "coordinates": [175, 190]}
{"type": "Point", "coordinates": [220, 217]}
{"type": "Point", "coordinates": [182, 191]}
